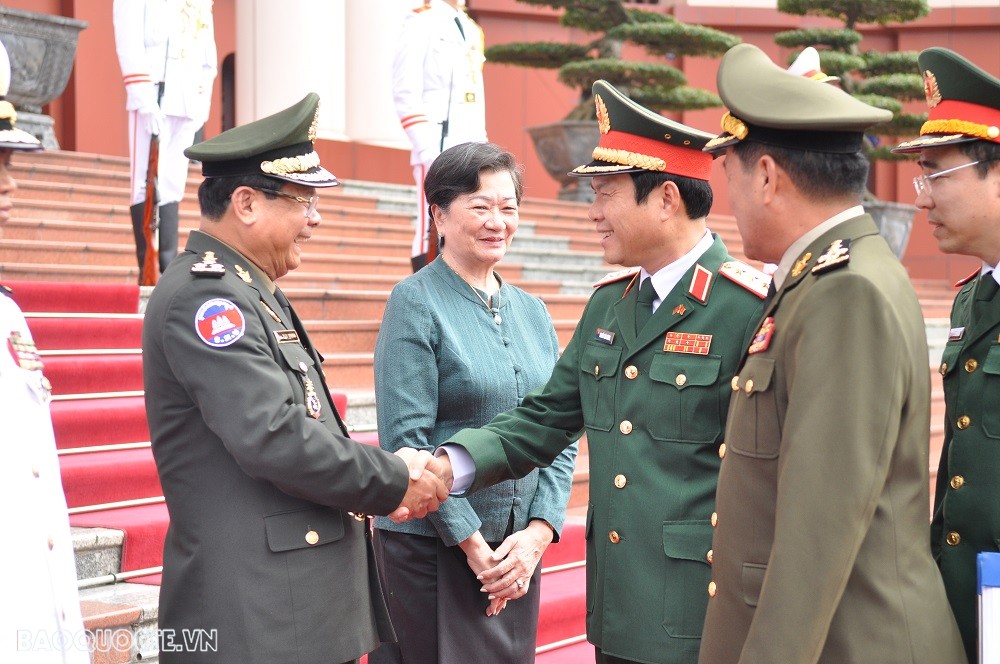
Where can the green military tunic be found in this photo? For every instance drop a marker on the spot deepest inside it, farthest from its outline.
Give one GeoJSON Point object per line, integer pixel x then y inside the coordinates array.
{"type": "Point", "coordinates": [823, 491]}
{"type": "Point", "coordinates": [654, 409]}
{"type": "Point", "coordinates": [966, 516]}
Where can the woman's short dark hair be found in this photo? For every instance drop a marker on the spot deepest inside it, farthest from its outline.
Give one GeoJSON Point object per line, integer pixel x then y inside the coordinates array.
{"type": "Point", "coordinates": [696, 194]}
{"type": "Point", "coordinates": [456, 172]}
{"type": "Point", "coordinates": [214, 193]}
{"type": "Point", "coordinates": [817, 175]}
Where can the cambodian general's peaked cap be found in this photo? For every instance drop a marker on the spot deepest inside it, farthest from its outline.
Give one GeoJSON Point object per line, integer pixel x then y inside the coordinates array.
{"type": "Point", "coordinates": [278, 146]}
{"type": "Point", "coordinates": [769, 105]}
{"type": "Point", "coordinates": [964, 102]}
{"type": "Point", "coordinates": [636, 139]}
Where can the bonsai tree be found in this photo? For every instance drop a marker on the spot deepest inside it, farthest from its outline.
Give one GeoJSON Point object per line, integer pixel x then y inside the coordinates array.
{"type": "Point", "coordinates": [885, 80]}
{"type": "Point", "coordinates": [655, 85]}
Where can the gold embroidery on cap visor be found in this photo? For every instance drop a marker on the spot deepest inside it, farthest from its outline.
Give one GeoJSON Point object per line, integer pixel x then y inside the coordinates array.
{"type": "Point", "coordinates": [628, 159]}
{"type": "Point", "coordinates": [732, 127]}
{"type": "Point", "coordinates": [931, 89]}
{"type": "Point", "coordinates": [603, 121]}
{"type": "Point", "coordinates": [985, 132]}
{"type": "Point", "coordinates": [290, 165]}
{"type": "Point", "coordinates": [928, 140]}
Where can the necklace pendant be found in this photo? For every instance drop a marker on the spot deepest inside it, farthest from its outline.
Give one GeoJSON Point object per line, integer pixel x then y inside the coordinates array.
{"type": "Point", "coordinates": [497, 319]}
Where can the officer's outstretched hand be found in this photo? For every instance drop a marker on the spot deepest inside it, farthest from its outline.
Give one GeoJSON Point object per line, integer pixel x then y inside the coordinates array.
{"type": "Point", "coordinates": [426, 490]}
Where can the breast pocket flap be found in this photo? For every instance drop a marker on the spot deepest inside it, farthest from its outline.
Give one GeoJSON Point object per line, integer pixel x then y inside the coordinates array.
{"type": "Point", "coordinates": [684, 370]}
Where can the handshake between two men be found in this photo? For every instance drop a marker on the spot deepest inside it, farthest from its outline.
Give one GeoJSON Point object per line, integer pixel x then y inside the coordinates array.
{"type": "Point", "coordinates": [430, 481]}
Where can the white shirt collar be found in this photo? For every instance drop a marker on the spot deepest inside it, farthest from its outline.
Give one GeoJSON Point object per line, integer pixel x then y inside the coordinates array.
{"type": "Point", "coordinates": [667, 277]}
{"type": "Point", "coordinates": [797, 247]}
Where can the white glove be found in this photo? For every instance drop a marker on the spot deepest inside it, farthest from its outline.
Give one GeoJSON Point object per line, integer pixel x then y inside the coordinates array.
{"type": "Point", "coordinates": [141, 98]}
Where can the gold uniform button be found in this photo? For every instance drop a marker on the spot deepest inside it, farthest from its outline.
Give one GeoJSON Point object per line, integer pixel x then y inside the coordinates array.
{"type": "Point", "coordinates": [712, 589]}
{"type": "Point", "coordinates": [944, 368]}
{"type": "Point", "coordinates": [51, 543]}
{"type": "Point", "coordinates": [709, 556]}
{"type": "Point", "coordinates": [625, 427]}
{"type": "Point", "coordinates": [631, 372]}
{"type": "Point", "coordinates": [312, 537]}
{"type": "Point", "coordinates": [953, 538]}
{"type": "Point", "coordinates": [749, 385]}
{"type": "Point", "coordinates": [722, 450]}
{"type": "Point", "coordinates": [971, 365]}
{"type": "Point", "coordinates": [963, 422]}
{"type": "Point", "coordinates": [614, 537]}
{"type": "Point", "coordinates": [597, 369]}
{"type": "Point", "coordinates": [735, 383]}
{"type": "Point", "coordinates": [681, 379]}
{"type": "Point", "coordinates": [957, 482]}
{"type": "Point", "coordinates": [620, 481]}
{"type": "Point", "coordinates": [715, 519]}
{"type": "Point", "coordinates": [34, 472]}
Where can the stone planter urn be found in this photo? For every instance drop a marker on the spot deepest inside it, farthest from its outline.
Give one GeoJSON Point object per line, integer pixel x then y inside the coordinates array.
{"type": "Point", "coordinates": [561, 147]}
{"type": "Point", "coordinates": [894, 221]}
{"type": "Point", "coordinates": [42, 48]}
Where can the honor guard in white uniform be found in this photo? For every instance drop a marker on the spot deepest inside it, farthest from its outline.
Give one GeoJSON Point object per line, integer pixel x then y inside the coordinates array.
{"type": "Point", "coordinates": [437, 83]}
{"type": "Point", "coordinates": [41, 615]}
{"type": "Point", "coordinates": [166, 49]}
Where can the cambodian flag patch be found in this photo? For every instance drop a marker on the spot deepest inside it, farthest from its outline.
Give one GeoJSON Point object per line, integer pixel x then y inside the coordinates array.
{"type": "Point", "coordinates": [219, 323]}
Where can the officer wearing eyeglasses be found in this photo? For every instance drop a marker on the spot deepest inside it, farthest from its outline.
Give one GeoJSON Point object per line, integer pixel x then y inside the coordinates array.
{"type": "Point", "coordinates": [268, 542]}
{"type": "Point", "coordinates": [959, 148]}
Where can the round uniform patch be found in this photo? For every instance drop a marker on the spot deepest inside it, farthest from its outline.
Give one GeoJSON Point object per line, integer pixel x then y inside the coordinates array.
{"type": "Point", "coordinates": [219, 323]}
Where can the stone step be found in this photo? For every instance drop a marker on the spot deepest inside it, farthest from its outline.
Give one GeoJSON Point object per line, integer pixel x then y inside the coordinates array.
{"type": "Point", "coordinates": [98, 551]}
{"type": "Point", "coordinates": [123, 618]}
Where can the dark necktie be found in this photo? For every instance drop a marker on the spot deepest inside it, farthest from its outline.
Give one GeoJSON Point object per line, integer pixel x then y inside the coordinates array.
{"type": "Point", "coordinates": [644, 304]}
{"type": "Point", "coordinates": [986, 289]}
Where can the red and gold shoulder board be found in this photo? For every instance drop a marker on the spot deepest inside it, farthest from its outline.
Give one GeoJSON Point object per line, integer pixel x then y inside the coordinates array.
{"type": "Point", "coordinates": [746, 276]}
{"type": "Point", "coordinates": [617, 275]}
{"type": "Point", "coordinates": [964, 280]}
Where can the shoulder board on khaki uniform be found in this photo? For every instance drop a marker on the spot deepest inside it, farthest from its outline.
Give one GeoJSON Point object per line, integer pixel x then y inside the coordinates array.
{"type": "Point", "coordinates": [421, 8]}
{"type": "Point", "coordinates": [617, 275]}
{"type": "Point", "coordinates": [5, 290]}
{"type": "Point", "coordinates": [208, 266]}
{"type": "Point", "coordinates": [837, 255]}
{"type": "Point", "coordinates": [964, 280]}
{"type": "Point", "coordinates": [746, 276]}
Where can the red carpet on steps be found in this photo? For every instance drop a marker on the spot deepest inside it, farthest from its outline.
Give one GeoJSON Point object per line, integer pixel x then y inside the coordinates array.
{"type": "Point", "coordinates": [108, 421]}
{"type": "Point", "coordinates": [145, 528]}
{"type": "Point", "coordinates": [80, 374]}
{"type": "Point", "coordinates": [68, 297]}
{"type": "Point", "coordinates": [95, 478]}
{"type": "Point", "coordinates": [79, 333]}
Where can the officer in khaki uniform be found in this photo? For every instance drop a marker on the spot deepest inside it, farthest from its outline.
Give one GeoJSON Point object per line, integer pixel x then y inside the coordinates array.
{"type": "Point", "coordinates": [651, 396]}
{"type": "Point", "coordinates": [959, 150]}
{"type": "Point", "coordinates": [820, 546]}
{"type": "Point", "coordinates": [268, 543]}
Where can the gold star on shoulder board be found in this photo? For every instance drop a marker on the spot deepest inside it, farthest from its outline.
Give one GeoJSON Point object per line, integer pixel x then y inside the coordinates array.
{"type": "Point", "coordinates": [801, 264]}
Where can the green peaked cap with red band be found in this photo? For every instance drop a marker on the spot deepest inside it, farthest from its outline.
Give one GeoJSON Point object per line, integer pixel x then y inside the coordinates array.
{"type": "Point", "coordinates": [635, 139]}
{"type": "Point", "coordinates": [964, 102]}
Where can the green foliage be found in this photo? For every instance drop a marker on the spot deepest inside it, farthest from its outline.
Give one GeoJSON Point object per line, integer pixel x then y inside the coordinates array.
{"type": "Point", "coordinates": [852, 12]}
{"type": "Point", "coordinates": [593, 15]}
{"type": "Point", "coordinates": [654, 84]}
{"type": "Point", "coordinates": [899, 62]}
{"type": "Point", "coordinates": [907, 87]}
{"type": "Point", "coordinates": [675, 38]}
{"type": "Point", "coordinates": [884, 80]}
{"type": "Point", "coordinates": [831, 37]}
{"type": "Point", "coordinates": [620, 73]}
{"type": "Point", "coordinates": [541, 55]}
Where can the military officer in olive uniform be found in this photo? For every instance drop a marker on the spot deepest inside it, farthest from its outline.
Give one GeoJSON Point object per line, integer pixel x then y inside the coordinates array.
{"type": "Point", "coordinates": [268, 544]}
{"type": "Point", "coordinates": [646, 375]}
{"type": "Point", "coordinates": [959, 148]}
{"type": "Point", "coordinates": [820, 545]}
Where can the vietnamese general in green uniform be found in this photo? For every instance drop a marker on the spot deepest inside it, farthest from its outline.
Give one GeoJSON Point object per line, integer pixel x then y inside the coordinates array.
{"type": "Point", "coordinates": [959, 148]}
{"type": "Point", "coordinates": [646, 375]}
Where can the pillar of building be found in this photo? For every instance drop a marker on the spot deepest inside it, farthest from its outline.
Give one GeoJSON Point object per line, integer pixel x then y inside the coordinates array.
{"type": "Point", "coordinates": [287, 49]}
